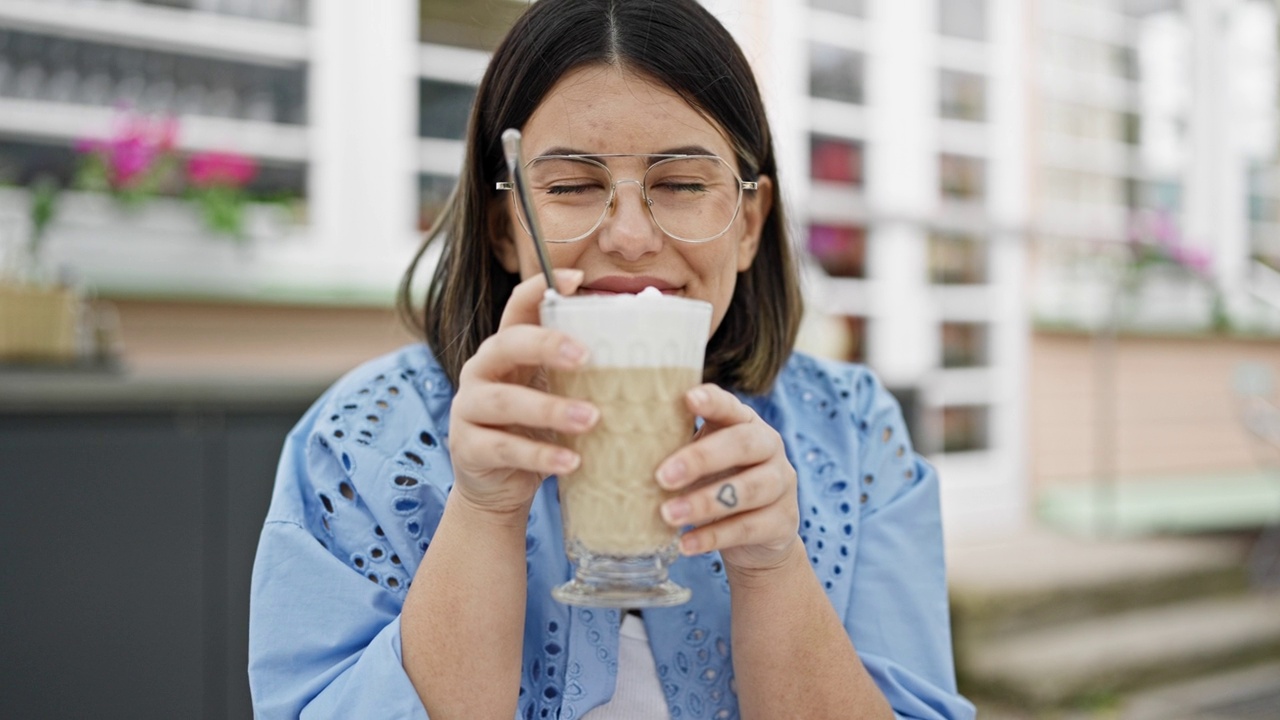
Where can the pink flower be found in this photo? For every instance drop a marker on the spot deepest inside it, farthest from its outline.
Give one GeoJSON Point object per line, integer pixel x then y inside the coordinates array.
{"type": "Point", "coordinates": [210, 169]}
{"type": "Point", "coordinates": [132, 151]}
{"type": "Point", "coordinates": [1198, 261]}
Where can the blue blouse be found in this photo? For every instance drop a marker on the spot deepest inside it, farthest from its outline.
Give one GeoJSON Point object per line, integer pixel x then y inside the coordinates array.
{"type": "Point", "coordinates": [362, 484]}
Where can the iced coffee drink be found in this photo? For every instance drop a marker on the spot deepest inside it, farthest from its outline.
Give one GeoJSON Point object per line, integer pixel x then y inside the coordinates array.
{"type": "Point", "coordinates": [646, 353]}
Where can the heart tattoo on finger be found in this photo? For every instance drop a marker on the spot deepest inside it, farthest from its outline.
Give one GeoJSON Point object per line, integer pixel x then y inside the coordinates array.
{"type": "Point", "coordinates": [727, 496]}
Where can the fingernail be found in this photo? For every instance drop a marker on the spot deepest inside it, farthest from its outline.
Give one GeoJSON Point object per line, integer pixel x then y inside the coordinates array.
{"type": "Point", "coordinates": [699, 396]}
{"type": "Point", "coordinates": [567, 461]}
{"type": "Point", "coordinates": [583, 414]}
{"type": "Point", "coordinates": [689, 545]}
{"type": "Point", "coordinates": [675, 510]}
{"type": "Point", "coordinates": [572, 352]}
{"type": "Point", "coordinates": [671, 473]}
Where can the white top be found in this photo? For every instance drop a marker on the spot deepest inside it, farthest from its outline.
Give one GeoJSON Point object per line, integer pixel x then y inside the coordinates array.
{"type": "Point", "coordinates": [638, 694]}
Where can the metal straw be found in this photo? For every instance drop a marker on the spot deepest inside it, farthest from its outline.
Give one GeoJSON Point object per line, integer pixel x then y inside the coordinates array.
{"type": "Point", "coordinates": [511, 147]}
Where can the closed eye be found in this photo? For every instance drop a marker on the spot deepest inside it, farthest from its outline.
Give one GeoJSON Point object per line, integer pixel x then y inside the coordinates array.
{"type": "Point", "coordinates": [573, 189]}
{"type": "Point", "coordinates": [691, 187]}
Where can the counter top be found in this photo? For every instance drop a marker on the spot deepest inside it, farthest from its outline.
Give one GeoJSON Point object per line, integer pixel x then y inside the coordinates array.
{"type": "Point", "coordinates": [28, 390]}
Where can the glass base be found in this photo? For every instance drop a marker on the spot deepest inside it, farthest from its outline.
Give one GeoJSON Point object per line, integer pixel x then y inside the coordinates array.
{"type": "Point", "coordinates": [615, 582]}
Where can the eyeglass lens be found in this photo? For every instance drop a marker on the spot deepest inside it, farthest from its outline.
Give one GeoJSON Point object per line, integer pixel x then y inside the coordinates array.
{"type": "Point", "coordinates": [692, 199]}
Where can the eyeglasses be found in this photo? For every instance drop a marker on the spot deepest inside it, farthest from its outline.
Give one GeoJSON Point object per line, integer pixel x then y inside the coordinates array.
{"type": "Point", "coordinates": [692, 198]}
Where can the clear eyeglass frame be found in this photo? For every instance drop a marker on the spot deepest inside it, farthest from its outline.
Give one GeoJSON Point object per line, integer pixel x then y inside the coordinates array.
{"type": "Point", "coordinates": [747, 185]}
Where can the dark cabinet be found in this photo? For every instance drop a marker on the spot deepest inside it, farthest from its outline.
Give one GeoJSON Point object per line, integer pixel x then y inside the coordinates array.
{"type": "Point", "coordinates": [129, 518]}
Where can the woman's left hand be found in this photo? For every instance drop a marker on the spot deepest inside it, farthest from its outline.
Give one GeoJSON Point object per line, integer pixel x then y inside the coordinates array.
{"type": "Point", "coordinates": [739, 488]}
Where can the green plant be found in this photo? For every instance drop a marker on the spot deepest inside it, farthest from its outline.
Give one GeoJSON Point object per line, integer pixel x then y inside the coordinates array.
{"type": "Point", "coordinates": [217, 182]}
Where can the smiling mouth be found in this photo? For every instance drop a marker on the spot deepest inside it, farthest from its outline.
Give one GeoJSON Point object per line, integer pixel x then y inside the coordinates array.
{"type": "Point", "coordinates": [618, 285]}
{"type": "Point", "coordinates": [594, 291]}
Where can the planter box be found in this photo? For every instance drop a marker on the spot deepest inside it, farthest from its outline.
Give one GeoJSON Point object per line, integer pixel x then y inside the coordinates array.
{"type": "Point", "coordinates": [37, 323]}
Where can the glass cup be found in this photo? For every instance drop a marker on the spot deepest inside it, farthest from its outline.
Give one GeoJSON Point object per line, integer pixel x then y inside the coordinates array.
{"type": "Point", "coordinates": [647, 351]}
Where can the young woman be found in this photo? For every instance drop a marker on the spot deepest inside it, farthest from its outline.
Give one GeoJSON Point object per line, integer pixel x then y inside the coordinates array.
{"type": "Point", "coordinates": [414, 536]}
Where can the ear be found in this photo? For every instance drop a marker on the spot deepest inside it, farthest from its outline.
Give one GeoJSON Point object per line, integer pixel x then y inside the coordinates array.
{"type": "Point", "coordinates": [756, 206]}
{"type": "Point", "coordinates": [500, 233]}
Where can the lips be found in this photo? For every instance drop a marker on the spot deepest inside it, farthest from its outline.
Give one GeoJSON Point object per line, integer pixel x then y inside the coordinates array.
{"type": "Point", "coordinates": [616, 284]}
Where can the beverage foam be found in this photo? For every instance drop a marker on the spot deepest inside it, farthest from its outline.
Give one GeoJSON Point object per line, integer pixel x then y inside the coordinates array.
{"type": "Point", "coordinates": [648, 329]}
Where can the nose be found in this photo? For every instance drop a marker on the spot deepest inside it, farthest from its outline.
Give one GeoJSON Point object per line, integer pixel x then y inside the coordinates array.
{"type": "Point", "coordinates": [628, 229]}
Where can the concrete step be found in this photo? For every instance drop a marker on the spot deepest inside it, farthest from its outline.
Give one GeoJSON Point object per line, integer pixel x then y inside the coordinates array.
{"type": "Point", "coordinates": [1251, 693]}
{"type": "Point", "coordinates": [1038, 579]}
{"type": "Point", "coordinates": [1074, 662]}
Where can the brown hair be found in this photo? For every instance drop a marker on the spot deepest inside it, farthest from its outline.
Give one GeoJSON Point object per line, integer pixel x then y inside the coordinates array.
{"type": "Point", "coordinates": [677, 43]}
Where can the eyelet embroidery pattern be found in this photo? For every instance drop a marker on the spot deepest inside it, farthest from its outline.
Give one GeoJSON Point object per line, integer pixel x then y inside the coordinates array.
{"type": "Point", "coordinates": [380, 526]}
{"type": "Point", "coordinates": [366, 524]}
{"type": "Point", "coordinates": [700, 668]}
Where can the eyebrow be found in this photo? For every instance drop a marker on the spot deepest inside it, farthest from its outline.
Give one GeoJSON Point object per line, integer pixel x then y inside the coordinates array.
{"type": "Point", "coordinates": [682, 150]}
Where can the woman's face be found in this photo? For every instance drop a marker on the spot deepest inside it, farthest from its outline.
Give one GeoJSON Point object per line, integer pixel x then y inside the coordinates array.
{"type": "Point", "coordinates": [602, 109]}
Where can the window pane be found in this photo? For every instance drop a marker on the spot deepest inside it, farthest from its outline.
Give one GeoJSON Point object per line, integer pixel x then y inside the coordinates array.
{"type": "Point", "coordinates": [961, 178]}
{"type": "Point", "coordinates": [835, 73]}
{"type": "Point", "coordinates": [34, 66]}
{"type": "Point", "coordinates": [443, 109]}
{"type": "Point", "coordinates": [285, 11]}
{"type": "Point", "coordinates": [1085, 188]}
{"type": "Point", "coordinates": [433, 193]}
{"type": "Point", "coordinates": [835, 160]}
{"type": "Point", "coordinates": [963, 18]}
{"type": "Point", "coordinates": [962, 95]}
{"type": "Point", "coordinates": [857, 8]}
{"type": "Point", "coordinates": [478, 24]}
{"type": "Point", "coordinates": [841, 251]}
{"type": "Point", "coordinates": [964, 428]}
{"type": "Point", "coordinates": [964, 344]}
{"type": "Point", "coordinates": [957, 259]}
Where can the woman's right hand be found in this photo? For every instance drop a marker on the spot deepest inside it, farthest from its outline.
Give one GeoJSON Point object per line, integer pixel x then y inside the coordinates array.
{"type": "Point", "coordinates": [501, 425]}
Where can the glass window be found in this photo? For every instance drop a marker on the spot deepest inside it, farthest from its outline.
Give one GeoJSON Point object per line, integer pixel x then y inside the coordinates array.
{"type": "Point", "coordinates": [835, 73]}
{"type": "Point", "coordinates": [962, 95]}
{"type": "Point", "coordinates": [835, 160]}
{"type": "Point", "coordinates": [286, 11]}
{"type": "Point", "coordinates": [1131, 128]}
{"type": "Point", "coordinates": [34, 66]}
{"type": "Point", "coordinates": [840, 250]}
{"type": "Point", "coordinates": [1092, 123]}
{"type": "Point", "coordinates": [961, 178]}
{"type": "Point", "coordinates": [433, 193]}
{"type": "Point", "coordinates": [964, 344]}
{"type": "Point", "coordinates": [443, 109]}
{"type": "Point", "coordinates": [964, 428]}
{"type": "Point", "coordinates": [1166, 194]}
{"type": "Point", "coordinates": [1086, 188]}
{"type": "Point", "coordinates": [957, 259]}
{"type": "Point", "coordinates": [857, 8]}
{"type": "Point", "coordinates": [477, 24]}
{"type": "Point", "coordinates": [963, 18]}
{"type": "Point", "coordinates": [1124, 62]}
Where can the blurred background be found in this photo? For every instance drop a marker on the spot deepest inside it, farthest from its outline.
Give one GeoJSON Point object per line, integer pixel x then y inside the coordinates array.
{"type": "Point", "coordinates": [1051, 226]}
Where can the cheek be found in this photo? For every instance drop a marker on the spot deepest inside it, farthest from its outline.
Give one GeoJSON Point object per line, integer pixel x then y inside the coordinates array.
{"type": "Point", "coordinates": [563, 255]}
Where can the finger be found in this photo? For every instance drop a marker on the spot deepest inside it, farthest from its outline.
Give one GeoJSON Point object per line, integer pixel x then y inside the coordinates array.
{"type": "Point", "coordinates": [753, 488]}
{"type": "Point", "coordinates": [500, 449]}
{"type": "Point", "coordinates": [522, 307]}
{"type": "Point", "coordinates": [740, 445]}
{"type": "Point", "coordinates": [502, 404]}
{"type": "Point", "coordinates": [523, 346]}
{"type": "Point", "coordinates": [718, 406]}
{"type": "Point", "coordinates": [763, 526]}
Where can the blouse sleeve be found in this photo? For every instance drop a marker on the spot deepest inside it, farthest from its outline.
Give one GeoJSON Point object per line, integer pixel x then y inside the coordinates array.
{"type": "Point", "coordinates": [324, 642]}
{"type": "Point", "coordinates": [324, 621]}
{"type": "Point", "coordinates": [898, 616]}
